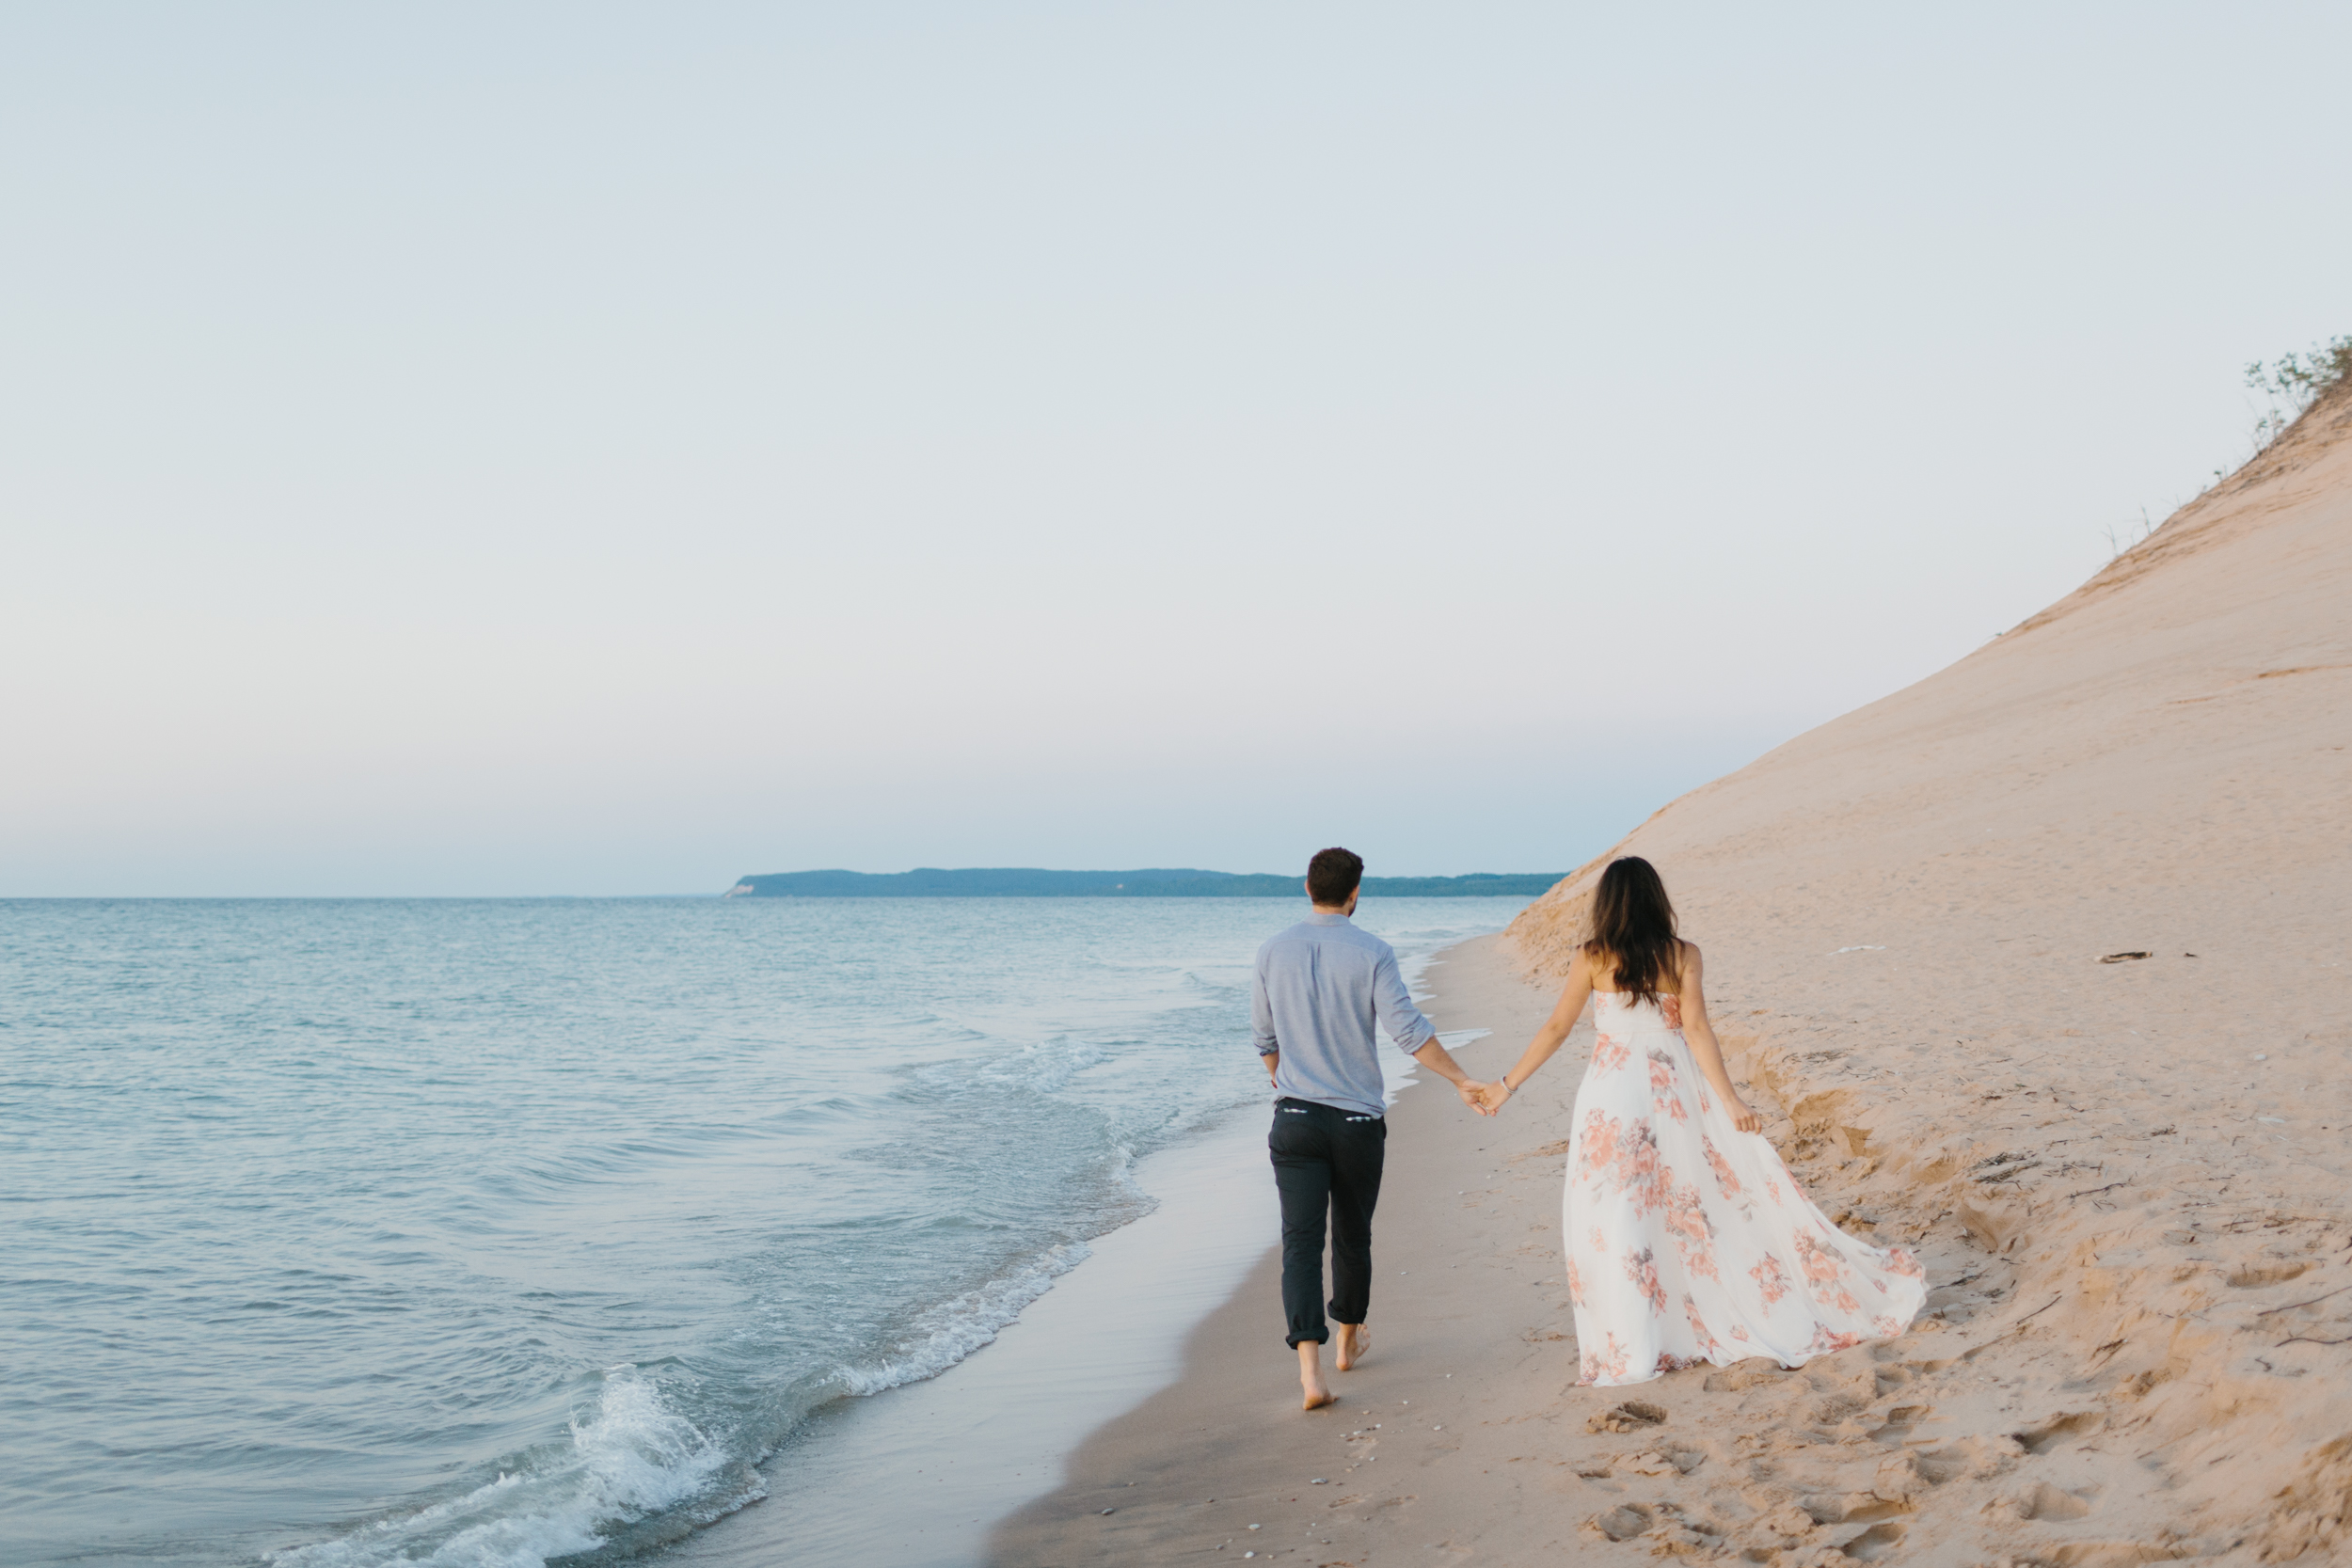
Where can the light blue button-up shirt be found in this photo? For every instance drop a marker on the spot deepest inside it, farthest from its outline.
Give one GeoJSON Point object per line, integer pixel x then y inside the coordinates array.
{"type": "Point", "coordinates": [1320, 987]}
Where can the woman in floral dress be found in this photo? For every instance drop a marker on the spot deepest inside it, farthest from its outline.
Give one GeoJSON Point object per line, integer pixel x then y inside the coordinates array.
{"type": "Point", "coordinates": [1688, 1239]}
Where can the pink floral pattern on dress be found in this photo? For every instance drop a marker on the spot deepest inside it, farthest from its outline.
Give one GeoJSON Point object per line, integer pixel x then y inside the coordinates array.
{"type": "Point", "coordinates": [1597, 1148]}
{"type": "Point", "coordinates": [1621, 1156]}
{"type": "Point", "coordinates": [1826, 1273]}
{"type": "Point", "coordinates": [1606, 1365]}
{"type": "Point", "coordinates": [1726, 1179]}
{"type": "Point", "coordinates": [1663, 1086]}
{"type": "Point", "coordinates": [1662, 1205]}
{"type": "Point", "coordinates": [1693, 1233]}
{"type": "Point", "coordinates": [1707, 1341]}
{"type": "Point", "coordinates": [1643, 1270]}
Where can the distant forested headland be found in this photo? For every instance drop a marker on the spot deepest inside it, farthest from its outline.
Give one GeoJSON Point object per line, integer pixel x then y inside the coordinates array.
{"type": "Point", "coordinates": [929, 883]}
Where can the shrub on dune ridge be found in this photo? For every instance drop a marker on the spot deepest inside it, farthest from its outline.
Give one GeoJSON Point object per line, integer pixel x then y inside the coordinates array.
{"type": "Point", "coordinates": [2297, 385]}
{"type": "Point", "coordinates": [2295, 382]}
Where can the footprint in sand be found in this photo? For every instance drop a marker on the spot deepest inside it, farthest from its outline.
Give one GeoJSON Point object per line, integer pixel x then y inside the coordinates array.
{"type": "Point", "coordinates": [1626, 1417]}
{"type": "Point", "coordinates": [2044, 1501]}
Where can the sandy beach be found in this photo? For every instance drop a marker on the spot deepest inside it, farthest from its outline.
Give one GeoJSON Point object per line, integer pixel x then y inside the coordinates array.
{"type": "Point", "coordinates": [2039, 966]}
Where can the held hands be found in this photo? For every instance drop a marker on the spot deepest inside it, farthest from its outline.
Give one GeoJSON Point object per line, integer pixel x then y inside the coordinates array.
{"type": "Point", "coordinates": [1485, 1099]}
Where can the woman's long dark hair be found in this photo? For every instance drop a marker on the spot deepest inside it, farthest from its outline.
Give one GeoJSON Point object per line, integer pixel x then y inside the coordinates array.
{"type": "Point", "coordinates": [1633, 929]}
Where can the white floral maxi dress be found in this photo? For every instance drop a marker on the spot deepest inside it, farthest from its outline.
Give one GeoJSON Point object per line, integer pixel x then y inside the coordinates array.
{"type": "Point", "coordinates": [1688, 1239]}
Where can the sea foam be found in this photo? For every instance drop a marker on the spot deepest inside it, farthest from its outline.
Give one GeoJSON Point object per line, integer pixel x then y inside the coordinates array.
{"type": "Point", "coordinates": [631, 1455]}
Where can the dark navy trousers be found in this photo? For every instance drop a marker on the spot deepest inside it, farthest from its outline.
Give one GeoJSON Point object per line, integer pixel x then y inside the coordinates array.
{"type": "Point", "coordinates": [1327, 1166]}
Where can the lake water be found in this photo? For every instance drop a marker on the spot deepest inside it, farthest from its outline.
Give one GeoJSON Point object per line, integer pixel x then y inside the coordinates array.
{"type": "Point", "coordinates": [449, 1232]}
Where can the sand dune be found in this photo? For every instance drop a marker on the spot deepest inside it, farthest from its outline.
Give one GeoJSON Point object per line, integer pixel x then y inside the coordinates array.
{"type": "Point", "coordinates": [2048, 965]}
{"type": "Point", "coordinates": [2042, 966]}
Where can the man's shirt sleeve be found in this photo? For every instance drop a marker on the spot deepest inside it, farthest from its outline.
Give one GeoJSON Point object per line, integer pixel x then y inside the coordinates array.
{"type": "Point", "coordinates": [1394, 1006]}
{"type": "Point", "coordinates": [1262, 1010]}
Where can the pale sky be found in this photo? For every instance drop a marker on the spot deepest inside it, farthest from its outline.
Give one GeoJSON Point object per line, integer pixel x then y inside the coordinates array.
{"type": "Point", "coordinates": [598, 449]}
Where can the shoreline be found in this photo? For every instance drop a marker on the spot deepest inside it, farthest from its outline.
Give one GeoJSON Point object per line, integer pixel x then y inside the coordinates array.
{"type": "Point", "coordinates": [956, 1449]}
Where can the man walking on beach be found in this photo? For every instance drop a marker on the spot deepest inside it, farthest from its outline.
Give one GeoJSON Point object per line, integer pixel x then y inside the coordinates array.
{"type": "Point", "coordinates": [1320, 987]}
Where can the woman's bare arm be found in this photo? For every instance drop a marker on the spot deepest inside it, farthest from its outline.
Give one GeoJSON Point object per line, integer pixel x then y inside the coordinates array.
{"type": "Point", "coordinates": [1704, 1049]}
{"type": "Point", "coordinates": [1547, 1039]}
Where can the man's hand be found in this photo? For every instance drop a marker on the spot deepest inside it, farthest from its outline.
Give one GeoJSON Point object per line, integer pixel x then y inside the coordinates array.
{"type": "Point", "coordinates": [1492, 1096]}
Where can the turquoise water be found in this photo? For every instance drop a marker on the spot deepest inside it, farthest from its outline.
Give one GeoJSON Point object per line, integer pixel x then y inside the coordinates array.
{"type": "Point", "coordinates": [348, 1233]}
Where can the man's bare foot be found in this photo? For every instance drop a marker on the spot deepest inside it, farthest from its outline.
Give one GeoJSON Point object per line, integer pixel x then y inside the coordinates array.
{"type": "Point", "coordinates": [1318, 1393]}
{"type": "Point", "coordinates": [1354, 1343]}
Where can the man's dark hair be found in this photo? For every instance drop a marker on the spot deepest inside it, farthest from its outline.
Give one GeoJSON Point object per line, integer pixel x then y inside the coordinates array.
{"type": "Point", "coordinates": [1332, 875]}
